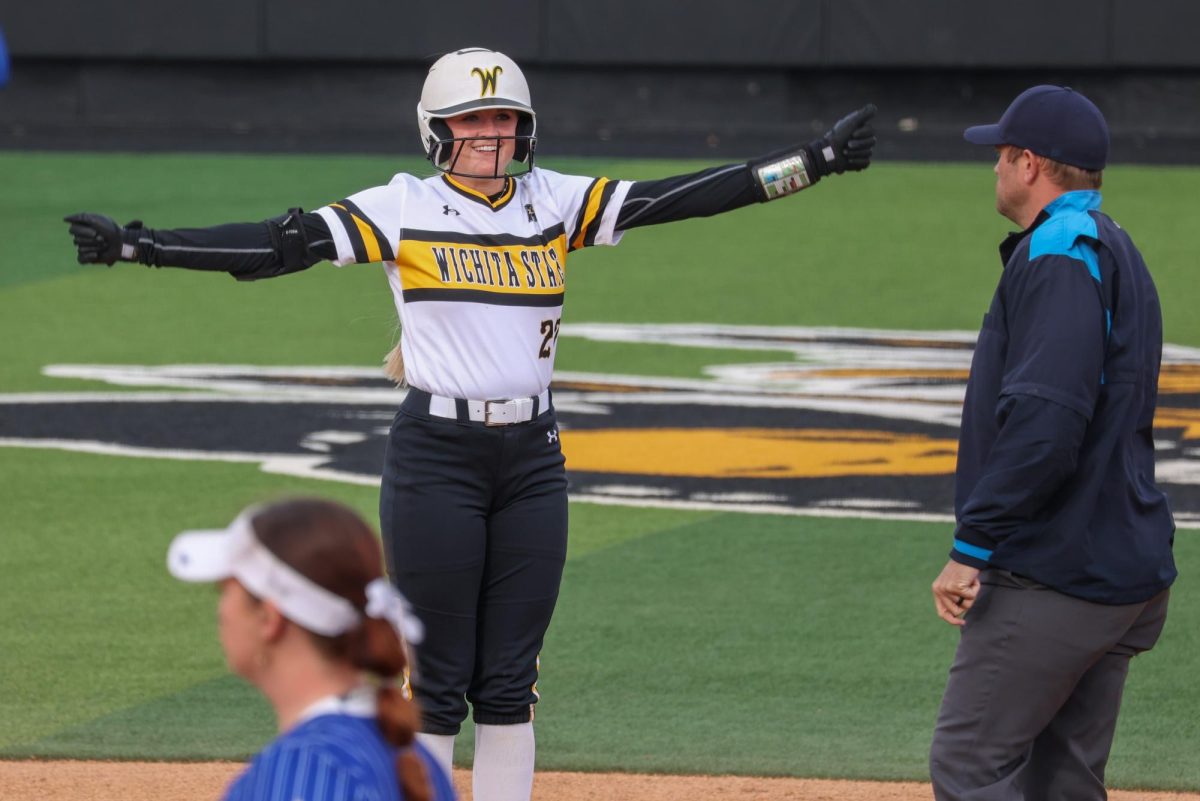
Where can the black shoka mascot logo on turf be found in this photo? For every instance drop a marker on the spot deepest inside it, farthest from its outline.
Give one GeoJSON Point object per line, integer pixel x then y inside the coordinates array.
{"type": "Point", "coordinates": [487, 79]}
{"type": "Point", "coordinates": [856, 423]}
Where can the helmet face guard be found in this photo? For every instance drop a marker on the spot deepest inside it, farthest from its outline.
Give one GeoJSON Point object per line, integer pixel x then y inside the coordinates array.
{"type": "Point", "coordinates": [443, 149]}
{"type": "Point", "coordinates": [470, 80]}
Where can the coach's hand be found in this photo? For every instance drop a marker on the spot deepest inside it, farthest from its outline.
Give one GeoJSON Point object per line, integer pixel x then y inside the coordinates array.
{"type": "Point", "coordinates": [847, 146]}
{"type": "Point", "coordinates": [955, 591]}
{"type": "Point", "coordinates": [99, 240]}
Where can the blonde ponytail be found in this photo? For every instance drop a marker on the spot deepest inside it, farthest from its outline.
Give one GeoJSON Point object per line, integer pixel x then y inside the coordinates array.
{"type": "Point", "coordinates": [393, 366]}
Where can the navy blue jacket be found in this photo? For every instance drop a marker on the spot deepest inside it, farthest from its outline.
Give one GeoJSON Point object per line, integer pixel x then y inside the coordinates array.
{"type": "Point", "coordinates": [1055, 476]}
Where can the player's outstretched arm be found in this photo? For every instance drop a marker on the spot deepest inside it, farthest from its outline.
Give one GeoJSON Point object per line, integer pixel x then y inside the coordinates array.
{"type": "Point", "coordinates": [99, 240]}
{"type": "Point", "coordinates": [846, 147]}
{"type": "Point", "coordinates": [285, 244]}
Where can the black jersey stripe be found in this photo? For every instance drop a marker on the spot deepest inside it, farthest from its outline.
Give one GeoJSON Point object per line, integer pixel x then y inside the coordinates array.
{"type": "Point", "coordinates": [508, 193]}
{"type": "Point", "coordinates": [482, 296]}
{"type": "Point", "coordinates": [385, 247]}
{"type": "Point", "coordinates": [580, 221]}
{"type": "Point", "coordinates": [482, 240]}
{"type": "Point", "coordinates": [376, 247]}
{"type": "Point", "coordinates": [605, 196]}
{"type": "Point", "coordinates": [356, 240]}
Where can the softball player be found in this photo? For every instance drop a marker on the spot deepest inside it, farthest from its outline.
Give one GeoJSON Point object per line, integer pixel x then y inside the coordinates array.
{"type": "Point", "coordinates": [304, 612]}
{"type": "Point", "coordinates": [473, 505]}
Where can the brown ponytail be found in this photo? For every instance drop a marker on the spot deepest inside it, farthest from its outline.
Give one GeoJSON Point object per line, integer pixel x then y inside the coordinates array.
{"type": "Point", "coordinates": [380, 651]}
{"type": "Point", "coordinates": [399, 719]}
{"type": "Point", "coordinates": [332, 546]}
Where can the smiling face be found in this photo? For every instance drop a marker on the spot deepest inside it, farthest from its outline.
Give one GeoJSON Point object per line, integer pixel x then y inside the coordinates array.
{"type": "Point", "coordinates": [485, 157]}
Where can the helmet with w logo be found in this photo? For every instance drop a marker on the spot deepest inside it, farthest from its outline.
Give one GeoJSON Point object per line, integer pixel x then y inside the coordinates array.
{"type": "Point", "coordinates": [470, 80]}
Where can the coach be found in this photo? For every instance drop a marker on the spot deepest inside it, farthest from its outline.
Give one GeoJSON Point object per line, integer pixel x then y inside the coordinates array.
{"type": "Point", "coordinates": [1062, 549]}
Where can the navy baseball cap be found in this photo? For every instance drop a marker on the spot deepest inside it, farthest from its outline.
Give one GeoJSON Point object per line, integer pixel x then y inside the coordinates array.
{"type": "Point", "coordinates": [1053, 121]}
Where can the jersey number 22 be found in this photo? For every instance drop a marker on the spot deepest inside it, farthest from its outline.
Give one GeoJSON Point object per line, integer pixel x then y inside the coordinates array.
{"type": "Point", "coordinates": [550, 329]}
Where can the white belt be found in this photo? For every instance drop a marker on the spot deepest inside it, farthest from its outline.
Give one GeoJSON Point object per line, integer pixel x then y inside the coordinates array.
{"type": "Point", "coordinates": [492, 412]}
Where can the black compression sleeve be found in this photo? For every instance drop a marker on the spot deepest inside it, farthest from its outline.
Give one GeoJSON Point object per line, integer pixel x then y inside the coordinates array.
{"type": "Point", "coordinates": [697, 194]}
{"type": "Point", "coordinates": [244, 250]}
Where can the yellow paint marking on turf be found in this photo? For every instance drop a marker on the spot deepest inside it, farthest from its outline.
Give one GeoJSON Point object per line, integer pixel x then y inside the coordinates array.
{"type": "Point", "coordinates": [1179, 379]}
{"type": "Point", "coordinates": [1187, 419]}
{"type": "Point", "coordinates": [756, 452]}
{"type": "Point", "coordinates": [1174, 379]}
{"type": "Point", "coordinates": [883, 372]}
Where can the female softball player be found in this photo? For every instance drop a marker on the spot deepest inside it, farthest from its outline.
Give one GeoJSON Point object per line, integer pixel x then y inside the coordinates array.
{"type": "Point", "coordinates": [473, 505]}
{"type": "Point", "coordinates": [304, 612]}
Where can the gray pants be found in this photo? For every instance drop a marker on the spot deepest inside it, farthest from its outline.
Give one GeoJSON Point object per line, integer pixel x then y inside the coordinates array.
{"type": "Point", "coordinates": [1033, 695]}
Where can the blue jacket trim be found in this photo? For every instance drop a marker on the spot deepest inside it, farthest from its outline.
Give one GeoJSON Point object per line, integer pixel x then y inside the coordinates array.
{"type": "Point", "coordinates": [1069, 220]}
{"type": "Point", "coordinates": [972, 550]}
{"type": "Point", "coordinates": [1061, 236]}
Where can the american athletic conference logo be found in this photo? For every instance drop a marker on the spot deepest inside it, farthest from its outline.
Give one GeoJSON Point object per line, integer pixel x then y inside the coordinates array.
{"type": "Point", "coordinates": [860, 423]}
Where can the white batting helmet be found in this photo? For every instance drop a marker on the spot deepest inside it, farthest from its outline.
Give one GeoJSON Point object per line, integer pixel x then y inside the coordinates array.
{"type": "Point", "coordinates": [470, 79]}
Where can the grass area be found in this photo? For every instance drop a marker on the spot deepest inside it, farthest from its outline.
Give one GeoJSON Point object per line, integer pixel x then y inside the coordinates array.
{"type": "Point", "coordinates": [901, 246]}
{"type": "Point", "coordinates": [105, 655]}
{"type": "Point", "coordinates": [683, 642]}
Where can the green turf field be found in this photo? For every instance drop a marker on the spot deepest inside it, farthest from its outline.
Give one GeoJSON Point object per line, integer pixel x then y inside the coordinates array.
{"type": "Point", "coordinates": [685, 641]}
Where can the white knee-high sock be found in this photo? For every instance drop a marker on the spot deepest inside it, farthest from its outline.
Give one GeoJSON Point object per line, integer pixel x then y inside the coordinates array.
{"type": "Point", "coordinates": [503, 762]}
{"type": "Point", "coordinates": [441, 746]}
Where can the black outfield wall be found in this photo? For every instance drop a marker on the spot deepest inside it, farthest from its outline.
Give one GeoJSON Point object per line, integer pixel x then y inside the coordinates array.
{"type": "Point", "coordinates": [633, 77]}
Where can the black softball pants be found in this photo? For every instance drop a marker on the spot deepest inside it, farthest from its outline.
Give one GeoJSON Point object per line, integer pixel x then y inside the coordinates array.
{"type": "Point", "coordinates": [474, 523]}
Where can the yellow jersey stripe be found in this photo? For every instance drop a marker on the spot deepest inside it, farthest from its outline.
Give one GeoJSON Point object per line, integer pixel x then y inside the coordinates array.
{"type": "Point", "coordinates": [510, 188]}
{"type": "Point", "coordinates": [365, 232]}
{"type": "Point", "coordinates": [373, 252]}
{"type": "Point", "coordinates": [351, 229]}
{"type": "Point", "coordinates": [387, 251]}
{"type": "Point", "coordinates": [591, 211]}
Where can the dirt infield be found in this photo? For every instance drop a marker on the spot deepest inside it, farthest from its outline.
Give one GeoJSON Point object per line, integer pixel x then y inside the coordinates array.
{"type": "Point", "coordinates": [160, 781]}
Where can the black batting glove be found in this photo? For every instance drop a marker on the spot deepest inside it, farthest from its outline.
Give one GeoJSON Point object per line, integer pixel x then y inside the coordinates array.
{"type": "Point", "coordinates": [847, 146]}
{"type": "Point", "coordinates": [99, 240]}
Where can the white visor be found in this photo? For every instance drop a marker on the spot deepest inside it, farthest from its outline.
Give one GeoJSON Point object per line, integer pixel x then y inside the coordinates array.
{"type": "Point", "coordinates": [235, 552]}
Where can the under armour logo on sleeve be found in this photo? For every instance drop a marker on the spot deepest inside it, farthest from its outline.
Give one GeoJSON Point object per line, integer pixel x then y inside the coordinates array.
{"type": "Point", "coordinates": [446, 210]}
{"type": "Point", "coordinates": [552, 436]}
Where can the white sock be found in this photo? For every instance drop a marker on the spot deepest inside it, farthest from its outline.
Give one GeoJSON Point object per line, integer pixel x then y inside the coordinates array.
{"type": "Point", "coordinates": [441, 746]}
{"type": "Point", "coordinates": [503, 762]}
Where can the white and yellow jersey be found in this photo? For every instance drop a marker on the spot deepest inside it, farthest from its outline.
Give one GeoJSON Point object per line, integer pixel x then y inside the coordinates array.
{"type": "Point", "coordinates": [478, 283]}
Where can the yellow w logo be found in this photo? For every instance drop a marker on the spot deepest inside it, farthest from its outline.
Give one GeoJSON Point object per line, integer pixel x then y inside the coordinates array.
{"type": "Point", "coordinates": [487, 79]}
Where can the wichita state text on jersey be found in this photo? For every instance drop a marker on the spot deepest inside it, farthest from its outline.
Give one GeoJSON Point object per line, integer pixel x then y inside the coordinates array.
{"type": "Point", "coordinates": [447, 249]}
